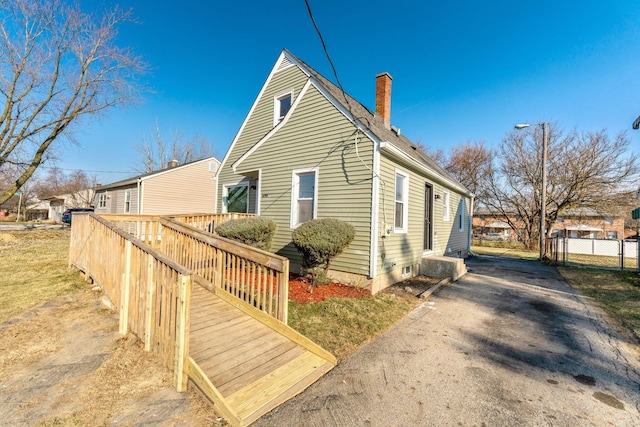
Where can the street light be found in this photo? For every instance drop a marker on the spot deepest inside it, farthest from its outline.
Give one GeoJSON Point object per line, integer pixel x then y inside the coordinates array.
{"type": "Point", "coordinates": [543, 192]}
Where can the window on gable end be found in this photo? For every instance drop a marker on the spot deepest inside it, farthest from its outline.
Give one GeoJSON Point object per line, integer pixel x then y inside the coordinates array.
{"type": "Point", "coordinates": [281, 106]}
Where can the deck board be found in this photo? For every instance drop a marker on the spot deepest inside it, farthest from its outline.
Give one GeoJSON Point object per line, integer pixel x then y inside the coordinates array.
{"type": "Point", "coordinates": [251, 367]}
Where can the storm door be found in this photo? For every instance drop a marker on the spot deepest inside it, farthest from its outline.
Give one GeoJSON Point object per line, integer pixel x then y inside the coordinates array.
{"type": "Point", "coordinates": [428, 217]}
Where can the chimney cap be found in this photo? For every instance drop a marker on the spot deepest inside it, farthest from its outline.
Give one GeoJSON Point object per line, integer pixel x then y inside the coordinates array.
{"type": "Point", "coordinates": [384, 74]}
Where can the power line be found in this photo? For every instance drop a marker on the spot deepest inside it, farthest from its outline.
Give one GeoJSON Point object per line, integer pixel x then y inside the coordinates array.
{"type": "Point", "coordinates": [82, 170]}
{"type": "Point", "coordinates": [326, 52]}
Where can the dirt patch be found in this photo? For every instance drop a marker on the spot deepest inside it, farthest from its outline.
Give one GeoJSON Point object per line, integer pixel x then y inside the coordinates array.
{"type": "Point", "coordinates": [302, 292]}
{"type": "Point", "coordinates": [64, 363]}
{"type": "Point", "coordinates": [412, 287]}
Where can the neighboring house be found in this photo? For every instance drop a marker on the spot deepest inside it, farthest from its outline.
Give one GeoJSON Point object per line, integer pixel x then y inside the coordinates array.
{"type": "Point", "coordinates": [589, 224]}
{"type": "Point", "coordinates": [177, 189]}
{"type": "Point", "coordinates": [576, 223]}
{"type": "Point", "coordinates": [307, 150]}
{"type": "Point", "coordinates": [58, 204]}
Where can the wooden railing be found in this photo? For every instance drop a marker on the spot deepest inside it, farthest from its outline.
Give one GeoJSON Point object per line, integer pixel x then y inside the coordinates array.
{"type": "Point", "coordinates": [208, 222]}
{"type": "Point", "coordinates": [151, 292]}
{"type": "Point", "coordinates": [259, 278]}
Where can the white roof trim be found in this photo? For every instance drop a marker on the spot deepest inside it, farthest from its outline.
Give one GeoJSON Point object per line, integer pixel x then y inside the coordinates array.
{"type": "Point", "coordinates": [583, 227]}
{"type": "Point", "coordinates": [274, 70]}
{"type": "Point", "coordinates": [392, 149]}
{"type": "Point", "coordinates": [335, 102]}
{"type": "Point", "coordinates": [208, 159]}
{"type": "Point", "coordinates": [498, 224]}
{"type": "Point", "coordinates": [282, 122]}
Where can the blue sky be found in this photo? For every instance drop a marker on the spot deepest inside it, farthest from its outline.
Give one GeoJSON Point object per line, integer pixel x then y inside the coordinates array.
{"type": "Point", "coordinates": [462, 71]}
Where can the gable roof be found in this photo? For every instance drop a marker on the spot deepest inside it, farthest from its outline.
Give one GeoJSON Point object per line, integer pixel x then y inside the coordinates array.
{"type": "Point", "coordinates": [391, 138]}
{"type": "Point", "coordinates": [134, 179]}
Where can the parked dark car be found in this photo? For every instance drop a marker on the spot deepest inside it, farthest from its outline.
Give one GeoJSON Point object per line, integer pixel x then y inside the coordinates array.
{"type": "Point", "coordinates": [68, 214]}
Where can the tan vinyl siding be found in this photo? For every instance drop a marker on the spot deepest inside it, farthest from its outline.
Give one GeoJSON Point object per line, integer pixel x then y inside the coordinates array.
{"type": "Point", "coordinates": [186, 189]}
{"type": "Point", "coordinates": [119, 196]}
{"type": "Point", "coordinates": [318, 136]}
{"type": "Point", "coordinates": [398, 249]}
{"type": "Point", "coordinates": [260, 121]}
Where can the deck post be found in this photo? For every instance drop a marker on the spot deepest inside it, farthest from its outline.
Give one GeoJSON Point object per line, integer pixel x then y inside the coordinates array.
{"type": "Point", "coordinates": [149, 303]}
{"type": "Point", "coordinates": [126, 284]}
{"type": "Point", "coordinates": [181, 368]}
{"type": "Point", "coordinates": [220, 269]}
{"type": "Point", "coordinates": [284, 294]}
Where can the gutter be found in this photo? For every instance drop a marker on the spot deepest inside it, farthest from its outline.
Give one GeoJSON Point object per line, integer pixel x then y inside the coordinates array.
{"type": "Point", "coordinates": [392, 149]}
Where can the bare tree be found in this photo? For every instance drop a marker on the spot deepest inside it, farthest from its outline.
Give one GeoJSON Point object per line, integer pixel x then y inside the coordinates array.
{"type": "Point", "coordinates": [585, 169]}
{"type": "Point", "coordinates": [57, 66]}
{"type": "Point", "coordinates": [77, 184]}
{"type": "Point", "coordinates": [155, 151]}
{"type": "Point", "coordinates": [470, 163]}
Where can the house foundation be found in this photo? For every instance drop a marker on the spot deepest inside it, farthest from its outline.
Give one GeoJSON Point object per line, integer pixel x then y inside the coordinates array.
{"type": "Point", "coordinates": [443, 266]}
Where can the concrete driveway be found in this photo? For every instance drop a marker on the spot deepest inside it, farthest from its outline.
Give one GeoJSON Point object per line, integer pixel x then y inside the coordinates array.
{"type": "Point", "coordinates": [509, 344]}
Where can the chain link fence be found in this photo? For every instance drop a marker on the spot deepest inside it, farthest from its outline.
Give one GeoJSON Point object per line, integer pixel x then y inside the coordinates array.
{"type": "Point", "coordinates": [610, 254]}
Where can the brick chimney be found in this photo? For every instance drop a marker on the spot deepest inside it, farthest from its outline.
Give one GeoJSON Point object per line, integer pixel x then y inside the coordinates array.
{"type": "Point", "coordinates": [172, 164]}
{"type": "Point", "coordinates": [383, 98]}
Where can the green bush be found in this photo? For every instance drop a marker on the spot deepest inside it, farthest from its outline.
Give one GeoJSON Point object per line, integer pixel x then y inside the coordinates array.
{"type": "Point", "coordinates": [257, 232]}
{"type": "Point", "coordinates": [321, 240]}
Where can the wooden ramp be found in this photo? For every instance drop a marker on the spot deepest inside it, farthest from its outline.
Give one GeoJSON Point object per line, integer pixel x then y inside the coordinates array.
{"type": "Point", "coordinates": [245, 361]}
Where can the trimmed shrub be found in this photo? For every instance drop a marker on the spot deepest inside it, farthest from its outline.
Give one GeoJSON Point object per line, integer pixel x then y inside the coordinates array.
{"type": "Point", "coordinates": [257, 232]}
{"type": "Point", "coordinates": [321, 240]}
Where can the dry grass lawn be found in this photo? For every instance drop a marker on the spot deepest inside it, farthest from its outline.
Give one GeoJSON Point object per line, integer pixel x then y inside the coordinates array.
{"type": "Point", "coordinates": [617, 292]}
{"type": "Point", "coordinates": [34, 269]}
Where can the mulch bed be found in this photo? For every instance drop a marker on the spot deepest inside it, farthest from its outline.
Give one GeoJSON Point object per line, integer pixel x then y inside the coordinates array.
{"type": "Point", "coordinates": [301, 291]}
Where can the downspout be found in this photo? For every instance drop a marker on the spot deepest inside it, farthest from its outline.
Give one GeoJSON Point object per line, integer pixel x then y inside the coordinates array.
{"type": "Point", "coordinates": [470, 234]}
{"type": "Point", "coordinates": [375, 211]}
{"type": "Point", "coordinates": [139, 196]}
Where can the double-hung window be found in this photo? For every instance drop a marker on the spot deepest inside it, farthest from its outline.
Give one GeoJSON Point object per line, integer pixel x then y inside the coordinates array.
{"type": "Point", "coordinates": [304, 195]}
{"type": "Point", "coordinates": [401, 202]}
{"type": "Point", "coordinates": [445, 206]}
{"type": "Point", "coordinates": [127, 201]}
{"type": "Point", "coordinates": [102, 200]}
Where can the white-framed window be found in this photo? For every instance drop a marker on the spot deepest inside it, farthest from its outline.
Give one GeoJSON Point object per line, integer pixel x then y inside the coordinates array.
{"type": "Point", "coordinates": [102, 200]}
{"type": "Point", "coordinates": [461, 216]}
{"type": "Point", "coordinates": [406, 271]}
{"type": "Point", "coordinates": [445, 206]}
{"type": "Point", "coordinates": [304, 195]}
{"type": "Point", "coordinates": [401, 210]}
{"type": "Point", "coordinates": [235, 198]}
{"type": "Point", "coordinates": [281, 106]}
{"type": "Point", "coordinates": [127, 201]}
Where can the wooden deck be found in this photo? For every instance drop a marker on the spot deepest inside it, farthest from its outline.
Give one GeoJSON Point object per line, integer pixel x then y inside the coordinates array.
{"type": "Point", "coordinates": [247, 365]}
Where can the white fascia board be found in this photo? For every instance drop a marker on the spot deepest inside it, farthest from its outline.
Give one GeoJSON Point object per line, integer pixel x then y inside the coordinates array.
{"type": "Point", "coordinates": [208, 159]}
{"type": "Point", "coordinates": [253, 107]}
{"type": "Point", "coordinates": [396, 152]}
{"type": "Point", "coordinates": [335, 102]}
{"type": "Point", "coordinates": [283, 122]}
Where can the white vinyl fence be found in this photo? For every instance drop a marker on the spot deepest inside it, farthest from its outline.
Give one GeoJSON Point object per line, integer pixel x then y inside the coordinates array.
{"type": "Point", "coordinates": [622, 254]}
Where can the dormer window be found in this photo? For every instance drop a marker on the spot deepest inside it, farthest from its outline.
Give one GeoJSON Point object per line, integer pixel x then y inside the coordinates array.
{"type": "Point", "coordinates": [281, 106]}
